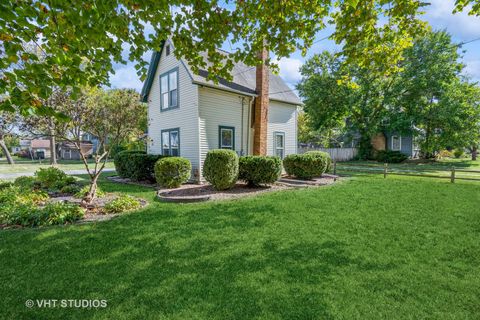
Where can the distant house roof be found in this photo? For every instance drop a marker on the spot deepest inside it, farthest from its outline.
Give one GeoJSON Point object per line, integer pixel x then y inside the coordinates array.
{"type": "Point", "coordinates": [40, 144]}
{"type": "Point", "coordinates": [244, 81]}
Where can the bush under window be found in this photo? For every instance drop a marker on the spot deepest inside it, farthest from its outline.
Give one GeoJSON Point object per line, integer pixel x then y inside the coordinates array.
{"type": "Point", "coordinates": [171, 172]}
{"type": "Point", "coordinates": [259, 170]}
{"type": "Point", "coordinates": [136, 165]}
{"type": "Point", "coordinates": [121, 162]}
{"type": "Point", "coordinates": [221, 168]}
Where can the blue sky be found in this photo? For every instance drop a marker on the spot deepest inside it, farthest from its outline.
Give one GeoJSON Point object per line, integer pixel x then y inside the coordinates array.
{"type": "Point", "coordinates": [439, 15]}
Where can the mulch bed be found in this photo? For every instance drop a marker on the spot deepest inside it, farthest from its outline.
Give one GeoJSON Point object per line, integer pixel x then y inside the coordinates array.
{"type": "Point", "coordinates": [205, 192]}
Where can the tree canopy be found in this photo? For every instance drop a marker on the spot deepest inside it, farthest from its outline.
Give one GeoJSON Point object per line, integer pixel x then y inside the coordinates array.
{"type": "Point", "coordinates": [81, 41]}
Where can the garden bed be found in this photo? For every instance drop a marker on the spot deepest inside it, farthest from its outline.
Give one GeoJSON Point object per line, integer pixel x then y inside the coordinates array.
{"type": "Point", "coordinates": [204, 192]}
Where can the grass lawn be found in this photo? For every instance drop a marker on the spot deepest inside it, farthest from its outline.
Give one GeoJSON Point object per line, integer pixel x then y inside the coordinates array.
{"type": "Point", "coordinates": [27, 165]}
{"type": "Point", "coordinates": [366, 248]}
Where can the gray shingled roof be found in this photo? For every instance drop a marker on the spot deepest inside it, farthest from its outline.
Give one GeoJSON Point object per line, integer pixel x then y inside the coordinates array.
{"type": "Point", "coordinates": [244, 80]}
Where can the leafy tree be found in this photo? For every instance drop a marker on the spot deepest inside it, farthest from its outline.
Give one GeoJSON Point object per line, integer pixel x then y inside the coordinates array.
{"type": "Point", "coordinates": [81, 41]}
{"type": "Point", "coordinates": [329, 102]}
{"type": "Point", "coordinates": [431, 77]}
{"type": "Point", "coordinates": [461, 5]}
{"type": "Point", "coordinates": [111, 116]}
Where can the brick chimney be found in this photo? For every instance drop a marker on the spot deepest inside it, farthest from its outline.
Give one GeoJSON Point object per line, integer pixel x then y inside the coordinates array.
{"type": "Point", "coordinates": [261, 106]}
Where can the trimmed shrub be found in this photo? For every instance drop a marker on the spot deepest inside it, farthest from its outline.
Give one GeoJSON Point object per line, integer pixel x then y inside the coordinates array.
{"type": "Point", "coordinates": [122, 204]}
{"type": "Point", "coordinates": [259, 170]}
{"type": "Point", "coordinates": [323, 156]}
{"type": "Point", "coordinates": [71, 189]}
{"type": "Point", "coordinates": [389, 156]}
{"type": "Point", "coordinates": [136, 165]}
{"type": "Point", "coordinates": [121, 162]}
{"type": "Point", "coordinates": [142, 166]}
{"type": "Point", "coordinates": [171, 172]}
{"type": "Point", "coordinates": [305, 166]}
{"type": "Point", "coordinates": [221, 168]}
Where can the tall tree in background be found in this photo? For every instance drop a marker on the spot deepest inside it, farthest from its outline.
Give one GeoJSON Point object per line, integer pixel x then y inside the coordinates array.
{"type": "Point", "coordinates": [432, 75]}
{"type": "Point", "coordinates": [329, 102]}
{"type": "Point", "coordinates": [81, 41]}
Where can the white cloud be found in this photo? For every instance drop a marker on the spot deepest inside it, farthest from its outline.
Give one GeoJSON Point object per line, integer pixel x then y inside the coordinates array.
{"type": "Point", "coordinates": [472, 68]}
{"type": "Point", "coordinates": [290, 69]}
{"type": "Point", "coordinates": [126, 77]}
{"type": "Point", "coordinates": [439, 15]}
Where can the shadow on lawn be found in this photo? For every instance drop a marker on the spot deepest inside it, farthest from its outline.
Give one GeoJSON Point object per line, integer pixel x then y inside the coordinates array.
{"type": "Point", "coordinates": [210, 261]}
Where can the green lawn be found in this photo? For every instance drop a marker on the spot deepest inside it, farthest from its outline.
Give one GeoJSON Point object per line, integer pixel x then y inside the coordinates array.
{"type": "Point", "coordinates": [366, 248]}
{"type": "Point", "coordinates": [26, 165]}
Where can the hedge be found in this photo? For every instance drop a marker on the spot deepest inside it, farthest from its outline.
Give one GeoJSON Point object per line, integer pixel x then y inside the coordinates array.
{"type": "Point", "coordinates": [259, 170]}
{"type": "Point", "coordinates": [305, 166]}
{"type": "Point", "coordinates": [221, 168]}
{"type": "Point", "coordinates": [136, 165]}
{"type": "Point", "coordinates": [389, 156]}
{"type": "Point", "coordinates": [172, 172]}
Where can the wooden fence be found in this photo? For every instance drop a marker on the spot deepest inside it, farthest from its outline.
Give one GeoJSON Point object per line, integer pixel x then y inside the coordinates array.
{"type": "Point", "coordinates": [452, 173]}
{"type": "Point", "coordinates": [337, 154]}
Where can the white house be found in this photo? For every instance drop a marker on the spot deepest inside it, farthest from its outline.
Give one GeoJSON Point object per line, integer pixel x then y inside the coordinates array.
{"type": "Point", "coordinates": [190, 115]}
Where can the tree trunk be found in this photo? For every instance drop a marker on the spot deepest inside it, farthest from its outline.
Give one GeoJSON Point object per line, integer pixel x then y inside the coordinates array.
{"type": "Point", "coordinates": [92, 191]}
{"type": "Point", "coordinates": [474, 153]}
{"type": "Point", "coordinates": [5, 151]}
{"type": "Point", "coordinates": [53, 149]}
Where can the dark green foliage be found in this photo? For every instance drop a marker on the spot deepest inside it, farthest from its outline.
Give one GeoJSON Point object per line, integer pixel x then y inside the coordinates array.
{"type": "Point", "coordinates": [136, 165]}
{"type": "Point", "coordinates": [259, 170]}
{"type": "Point", "coordinates": [26, 182]}
{"type": "Point", "coordinates": [122, 204]}
{"type": "Point", "coordinates": [221, 168]}
{"type": "Point", "coordinates": [171, 172]}
{"type": "Point", "coordinates": [71, 189]}
{"type": "Point", "coordinates": [305, 166]}
{"type": "Point", "coordinates": [121, 162]}
{"type": "Point", "coordinates": [458, 153]}
{"type": "Point", "coordinates": [52, 179]}
{"type": "Point", "coordinates": [389, 156]}
{"type": "Point", "coordinates": [324, 157]}
{"type": "Point", "coordinates": [4, 184]}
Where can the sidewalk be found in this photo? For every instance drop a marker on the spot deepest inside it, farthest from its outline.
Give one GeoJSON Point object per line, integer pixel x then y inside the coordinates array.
{"type": "Point", "coordinates": [11, 176]}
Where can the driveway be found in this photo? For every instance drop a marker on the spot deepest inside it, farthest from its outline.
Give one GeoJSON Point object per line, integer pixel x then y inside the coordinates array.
{"type": "Point", "coordinates": [10, 176]}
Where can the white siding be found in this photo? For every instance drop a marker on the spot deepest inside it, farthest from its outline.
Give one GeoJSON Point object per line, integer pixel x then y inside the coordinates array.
{"type": "Point", "coordinates": [220, 108]}
{"type": "Point", "coordinates": [185, 117]}
{"type": "Point", "coordinates": [282, 117]}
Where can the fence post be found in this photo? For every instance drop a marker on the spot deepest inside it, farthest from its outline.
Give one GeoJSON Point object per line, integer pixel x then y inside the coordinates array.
{"type": "Point", "coordinates": [385, 166]}
{"type": "Point", "coordinates": [452, 175]}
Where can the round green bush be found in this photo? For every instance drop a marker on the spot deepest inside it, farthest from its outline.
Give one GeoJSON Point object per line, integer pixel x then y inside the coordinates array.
{"type": "Point", "coordinates": [259, 170]}
{"type": "Point", "coordinates": [305, 166]}
{"type": "Point", "coordinates": [324, 156]}
{"type": "Point", "coordinates": [122, 163]}
{"type": "Point", "coordinates": [171, 172]}
{"type": "Point", "coordinates": [221, 168]}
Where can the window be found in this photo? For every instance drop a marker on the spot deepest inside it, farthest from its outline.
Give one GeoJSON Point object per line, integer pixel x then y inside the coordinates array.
{"type": "Point", "coordinates": [167, 50]}
{"type": "Point", "coordinates": [169, 90]}
{"type": "Point", "coordinates": [396, 143]}
{"type": "Point", "coordinates": [226, 137]}
{"type": "Point", "coordinates": [279, 144]}
{"type": "Point", "coordinates": [171, 142]}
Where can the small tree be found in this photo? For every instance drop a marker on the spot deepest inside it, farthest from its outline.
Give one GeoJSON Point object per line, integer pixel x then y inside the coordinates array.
{"type": "Point", "coordinates": [7, 124]}
{"type": "Point", "coordinates": [111, 116]}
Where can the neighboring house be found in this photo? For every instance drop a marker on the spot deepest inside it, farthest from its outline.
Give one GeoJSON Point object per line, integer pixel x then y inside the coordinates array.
{"type": "Point", "coordinates": [68, 150]}
{"type": "Point", "coordinates": [16, 149]}
{"type": "Point", "coordinates": [93, 139]}
{"type": "Point", "coordinates": [40, 149]}
{"type": "Point", "coordinates": [405, 143]}
{"type": "Point", "coordinates": [190, 115]}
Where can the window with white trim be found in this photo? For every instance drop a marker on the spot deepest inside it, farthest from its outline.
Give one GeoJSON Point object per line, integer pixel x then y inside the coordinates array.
{"type": "Point", "coordinates": [171, 142]}
{"type": "Point", "coordinates": [396, 143]}
{"type": "Point", "coordinates": [279, 144]}
{"type": "Point", "coordinates": [169, 90]}
{"type": "Point", "coordinates": [226, 137]}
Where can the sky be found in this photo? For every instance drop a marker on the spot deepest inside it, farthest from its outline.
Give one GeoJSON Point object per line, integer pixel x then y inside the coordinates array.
{"type": "Point", "coordinates": [439, 15]}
